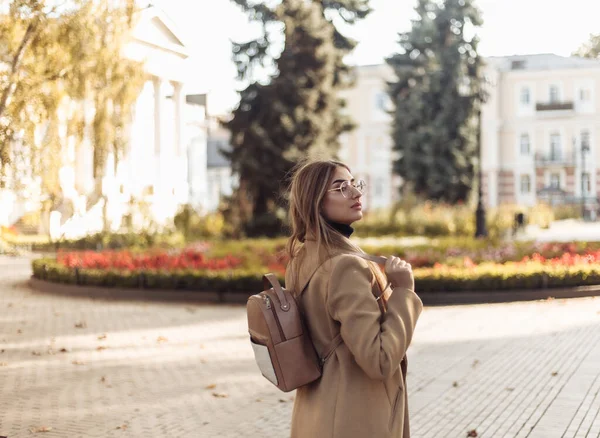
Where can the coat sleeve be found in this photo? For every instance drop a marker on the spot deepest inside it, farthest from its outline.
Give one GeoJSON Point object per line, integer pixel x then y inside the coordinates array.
{"type": "Point", "coordinates": [378, 342]}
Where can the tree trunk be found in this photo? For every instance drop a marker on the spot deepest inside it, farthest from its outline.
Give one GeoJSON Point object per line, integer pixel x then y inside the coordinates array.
{"type": "Point", "coordinates": [16, 63]}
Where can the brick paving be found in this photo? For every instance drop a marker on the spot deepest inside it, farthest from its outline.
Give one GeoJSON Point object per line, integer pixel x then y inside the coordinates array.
{"type": "Point", "coordinates": [99, 368]}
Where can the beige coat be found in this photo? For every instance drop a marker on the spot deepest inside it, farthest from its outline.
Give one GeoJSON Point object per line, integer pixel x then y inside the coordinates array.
{"type": "Point", "coordinates": [362, 392]}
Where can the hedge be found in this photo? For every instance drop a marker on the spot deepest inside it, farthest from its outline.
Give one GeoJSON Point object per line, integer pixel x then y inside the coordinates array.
{"type": "Point", "coordinates": [486, 277]}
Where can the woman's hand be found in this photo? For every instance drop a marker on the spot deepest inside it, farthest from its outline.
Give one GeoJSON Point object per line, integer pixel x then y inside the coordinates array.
{"type": "Point", "coordinates": [399, 273]}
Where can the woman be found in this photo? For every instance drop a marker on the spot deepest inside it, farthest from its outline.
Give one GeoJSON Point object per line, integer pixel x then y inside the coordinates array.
{"type": "Point", "coordinates": [362, 391]}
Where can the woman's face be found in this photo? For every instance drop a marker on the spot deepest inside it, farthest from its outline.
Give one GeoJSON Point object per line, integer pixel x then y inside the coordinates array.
{"type": "Point", "coordinates": [336, 207]}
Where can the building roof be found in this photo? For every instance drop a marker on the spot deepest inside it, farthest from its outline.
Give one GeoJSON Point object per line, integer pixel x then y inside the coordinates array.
{"type": "Point", "coordinates": [542, 61]}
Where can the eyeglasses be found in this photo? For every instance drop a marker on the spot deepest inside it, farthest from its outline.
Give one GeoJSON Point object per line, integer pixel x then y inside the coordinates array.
{"type": "Point", "coordinates": [360, 185]}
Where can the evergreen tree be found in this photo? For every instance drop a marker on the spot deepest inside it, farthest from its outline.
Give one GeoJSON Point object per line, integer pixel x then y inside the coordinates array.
{"type": "Point", "coordinates": [296, 114]}
{"type": "Point", "coordinates": [436, 94]}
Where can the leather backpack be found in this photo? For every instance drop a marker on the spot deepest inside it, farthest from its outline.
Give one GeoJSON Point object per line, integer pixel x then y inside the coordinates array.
{"type": "Point", "coordinates": [282, 346]}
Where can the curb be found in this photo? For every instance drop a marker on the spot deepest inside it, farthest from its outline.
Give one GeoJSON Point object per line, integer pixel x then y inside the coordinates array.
{"type": "Point", "coordinates": [507, 296]}
{"type": "Point", "coordinates": [428, 298]}
{"type": "Point", "coordinates": [108, 293]}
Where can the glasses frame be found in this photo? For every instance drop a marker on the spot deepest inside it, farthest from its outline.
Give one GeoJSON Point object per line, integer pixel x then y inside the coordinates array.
{"type": "Point", "coordinates": [347, 183]}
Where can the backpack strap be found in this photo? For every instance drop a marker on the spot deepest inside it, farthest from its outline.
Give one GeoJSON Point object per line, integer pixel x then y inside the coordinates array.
{"type": "Point", "coordinates": [270, 279]}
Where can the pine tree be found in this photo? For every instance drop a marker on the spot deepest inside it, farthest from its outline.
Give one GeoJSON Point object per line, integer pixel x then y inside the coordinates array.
{"type": "Point", "coordinates": [297, 113]}
{"type": "Point", "coordinates": [436, 94]}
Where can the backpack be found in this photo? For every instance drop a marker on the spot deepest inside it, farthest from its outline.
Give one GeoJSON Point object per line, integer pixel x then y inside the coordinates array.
{"type": "Point", "coordinates": [280, 340]}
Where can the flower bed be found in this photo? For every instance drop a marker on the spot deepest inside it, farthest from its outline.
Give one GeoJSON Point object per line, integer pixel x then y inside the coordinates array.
{"type": "Point", "coordinates": [557, 265]}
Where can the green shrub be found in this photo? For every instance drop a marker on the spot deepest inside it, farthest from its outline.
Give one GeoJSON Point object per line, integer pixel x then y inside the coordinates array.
{"type": "Point", "coordinates": [485, 277]}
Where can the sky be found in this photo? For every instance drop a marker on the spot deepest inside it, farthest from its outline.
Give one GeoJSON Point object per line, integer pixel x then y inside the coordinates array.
{"type": "Point", "coordinates": [511, 27]}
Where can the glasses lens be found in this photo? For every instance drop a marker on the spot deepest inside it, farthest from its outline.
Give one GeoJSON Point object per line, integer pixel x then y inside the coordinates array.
{"type": "Point", "coordinates": [361, 185]}
{"type": "Point", "coordinates": [345, 189]}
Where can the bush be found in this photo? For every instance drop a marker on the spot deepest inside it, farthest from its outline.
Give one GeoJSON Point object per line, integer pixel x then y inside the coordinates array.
{"type": "Point", "coordinates": [194, 226]}
{"type": "Point", "coordinates": [438, 220]}
{"type": "Point", "coordinates": [99, 241]}
{"type": "Point", "coordinates": [485, 277]}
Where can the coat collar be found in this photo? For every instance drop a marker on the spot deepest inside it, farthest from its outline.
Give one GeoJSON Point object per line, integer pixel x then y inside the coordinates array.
{"type": "Point", "coordinates": [306, 263]}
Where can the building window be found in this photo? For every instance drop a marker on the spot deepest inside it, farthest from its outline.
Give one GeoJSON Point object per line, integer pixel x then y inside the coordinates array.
{"type": "Point", "coordinates": [587, 183]}
{"type": "Point", "coordinates": [585, 140]}
{"type": "Point", "coordinates": [585, 95]}
{"type": "Point", "coordinates": [555, 148]}
{"type": "Point", "coordinates": [525, 144]}
{"type": "Point", "coordinates": [555, 180]}
{"type": "Point", "coordinates": [525, 96]}
{"type": "Point", "coordinates": [525, 184]}
{"type": "Point", "coordinates": [554, 94]}
{"type": "Point", "coordinates": [382, 102]}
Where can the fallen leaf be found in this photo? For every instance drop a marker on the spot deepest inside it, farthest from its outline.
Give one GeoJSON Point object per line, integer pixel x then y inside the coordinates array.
{"type": "Point", "coordinates": [190, 309]}
{"type": "Point", "coordinates": [102, 337]}
{"type": "Point", "coordinates": [122, 426]}
{"type": "Point", "coordinates": [509, 389]}
{"type": "Point", "coordinates": [161, 339]}
{"type": "Point", "coordinates": [63, 350]}
{"type": "Point", "coordinates": [36, 353]}
{"type": "Point", "coordinates": [455, 384]}
{"type": "Point", "coordinates": [2, 351]}
{"type": "Point", "coordinates": [219, 395]}
{"type": "Point", "coordinates": [205, 423]}
{"type": "Point", "coordinates": [40, 429]}
{"type": "Point", "coordinates": [19, 331]}
{"type": "Point", "coordinates": [103, 379]}
{"type": "Point", "coordinates": [213, 386]}
{"type": "Point", "coordinates": [258, 400]}
{"type": "Point", "coordinates": [81, 324]}
{"type": "Point", "coordinates": [9, 305]}
{"type": "Point", "coordinates": [101, 347]}
{"type": "Point", "coordinates": [475, 363]}
{"type": "Point", "coordinates": [554, 374]}
{"type": "Point", "coordinates": [282, 400]}
{"type": "Point", "coordinates": [78, 362]}
{"type": "Point", "coordinates": [472, 433]}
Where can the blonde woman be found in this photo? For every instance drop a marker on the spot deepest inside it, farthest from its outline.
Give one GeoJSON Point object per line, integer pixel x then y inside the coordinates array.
{"type": "Point", "coordinates": [362, 391]}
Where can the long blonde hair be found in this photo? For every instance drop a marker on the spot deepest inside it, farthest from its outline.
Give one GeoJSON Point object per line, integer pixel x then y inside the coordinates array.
{"type": "Point", "coordinates": [308, 188]}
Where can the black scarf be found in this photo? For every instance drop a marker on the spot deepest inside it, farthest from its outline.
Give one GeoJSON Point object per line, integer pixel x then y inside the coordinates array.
{"type": "Point", "coordinates": [343, 229]}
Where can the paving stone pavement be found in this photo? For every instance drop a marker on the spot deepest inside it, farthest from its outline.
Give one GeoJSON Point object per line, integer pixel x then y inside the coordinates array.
{"type": "Point", "coordinates": [94, 368]}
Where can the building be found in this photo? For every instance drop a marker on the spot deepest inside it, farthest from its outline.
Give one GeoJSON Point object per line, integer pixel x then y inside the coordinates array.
{"type": "Point", "coordinates": [164, 165]}
{"type": "Point", "coordinates": [221, 180]}
{"type": "Point", "coordinates": [368, 148]}
{"type": "Point", "coordinates": [542, 111]}
{"type": "Point", "coordinates": [540, 129]}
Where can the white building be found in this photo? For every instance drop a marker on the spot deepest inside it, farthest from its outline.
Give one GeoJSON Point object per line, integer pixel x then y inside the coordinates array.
{"type": "Point", "coordinates": [542, 111]}
{"type": "Point", "coordinates": [156, 171]}
{"type": "Point", "coordinates": [368, 148]}
{"type": "Point", "coordinates": [221, 180]}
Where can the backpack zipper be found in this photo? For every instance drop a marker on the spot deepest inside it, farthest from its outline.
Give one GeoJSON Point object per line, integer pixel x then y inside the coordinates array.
{"type": "Point", "coordinates": [268, 304]}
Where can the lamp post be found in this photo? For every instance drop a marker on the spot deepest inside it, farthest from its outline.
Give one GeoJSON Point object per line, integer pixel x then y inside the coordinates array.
{"type": "Point", "coordinates": [583, 151]}
{"type": "Point", "coordinates": [480, 226]}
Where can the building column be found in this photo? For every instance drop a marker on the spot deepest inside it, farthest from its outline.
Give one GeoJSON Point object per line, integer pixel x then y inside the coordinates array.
{"type": "Point", "coordinates": [179, 101]}
{"type": "Point", "coordinates": [157, 82]}
{"type": "Point", "coordinates": [158, 116]}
